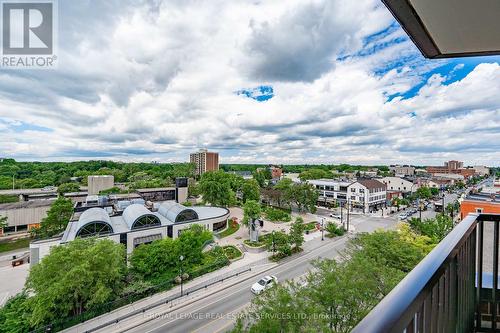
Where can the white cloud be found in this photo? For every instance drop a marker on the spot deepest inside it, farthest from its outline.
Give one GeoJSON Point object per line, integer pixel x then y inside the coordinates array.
{"type": "Point", "coordinates": [153, 80]}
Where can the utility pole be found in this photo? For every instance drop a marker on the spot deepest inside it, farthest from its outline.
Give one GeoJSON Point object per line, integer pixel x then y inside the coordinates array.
{"type": "Point", "coordinates": [341, 216]}
{"type": "Point", "coordinates": [347, 214]}
{"type": "Point", "coordinates": [13, 181]}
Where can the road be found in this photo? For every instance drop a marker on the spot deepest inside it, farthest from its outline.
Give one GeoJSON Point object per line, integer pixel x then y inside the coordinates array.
{"type": "Point", "coordinates": [217, 312]}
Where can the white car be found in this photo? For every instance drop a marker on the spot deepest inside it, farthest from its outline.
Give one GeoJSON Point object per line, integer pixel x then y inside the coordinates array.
{"type": "Point", "coordinates": [48, 188]}
{"type": "Point", "coordinates": [334, 215]}
{"type": "Point", "coordinates": [403, 216]}
{"type": "Point", "coordinates": [264, 283]}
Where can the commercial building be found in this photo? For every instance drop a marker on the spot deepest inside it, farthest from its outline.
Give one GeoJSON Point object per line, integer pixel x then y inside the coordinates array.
{"type": "Point", "coordinates": [367, 194]}
{"type": "Point", "coordinates": [399, 184]}
{"type": "Point", "coordinates": [134, 221]}
{"type": "Point", "coordinates": [204, 161]}
{"type": "Point", "coordinates": [330, 191]}
{"type": "Point", "coordinates": [24, 215]}
{"type": "Point", "coordinates": [481, 170]}
{"type": "Point", "coordinates": [451, 167]}
{"type": "Point", "coordinates": [481, 203]}
{"type": "Point", "coordinates": [276, 172]}
{"type": "Point", "coordinates": [99, 183]}
{"type": "Point", "coordinates": [402, 170]}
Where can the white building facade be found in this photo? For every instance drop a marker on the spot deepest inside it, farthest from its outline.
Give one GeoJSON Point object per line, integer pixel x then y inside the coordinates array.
{"type": "Point", "coordinates": [367, 194]}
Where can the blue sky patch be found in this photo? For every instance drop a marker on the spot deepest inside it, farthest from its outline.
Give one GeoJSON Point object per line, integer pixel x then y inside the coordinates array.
{"type": "Point", "coordinates": [260, 93]}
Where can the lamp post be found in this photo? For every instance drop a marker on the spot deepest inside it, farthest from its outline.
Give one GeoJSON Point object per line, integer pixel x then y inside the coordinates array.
{"type": "Point", "coordinates": [322, 228]}
{"type": "Point", "coordinates": [181, 258]}
{"type": "Point", "coordinates": [274, 244]}
{"type": "Point", "coordinates": [442, 198]}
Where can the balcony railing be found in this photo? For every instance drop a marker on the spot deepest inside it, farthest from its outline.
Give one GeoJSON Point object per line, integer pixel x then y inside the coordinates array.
{"type": "Point", "coordinates": [453, 289]}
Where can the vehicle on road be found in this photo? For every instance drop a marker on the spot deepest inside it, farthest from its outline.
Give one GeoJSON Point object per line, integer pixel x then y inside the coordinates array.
{"type": "Point", "coordinates": [335, 215]}
{"type": "Point", "coordinates": [48, 188]}
{"type": "Point", "coordinates": [403, 216]}
{"type": "Point", "coordinates": [264, 283]}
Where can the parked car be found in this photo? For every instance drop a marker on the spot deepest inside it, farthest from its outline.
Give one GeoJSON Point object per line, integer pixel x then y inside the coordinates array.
{"type": "Point", "coordinates": [403, 216]}
{"type": "Point", "coordinates": [264, 283]}
{"type": "Point", "coordinates": [335, 215]}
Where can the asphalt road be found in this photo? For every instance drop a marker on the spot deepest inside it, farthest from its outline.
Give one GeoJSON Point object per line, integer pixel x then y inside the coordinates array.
{"type": "Point", "coordinates": [217, 312]}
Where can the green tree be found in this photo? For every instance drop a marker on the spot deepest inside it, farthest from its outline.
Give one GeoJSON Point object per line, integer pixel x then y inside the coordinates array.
{"type": "Point", "coordinates": [67, 188]}
{"type": "Point", "coordinates": [303, 195]}
{"type": "Point", "coordinates": [280, 309]}
{"type": "Point", "coordinates": [56, 220]}
{"type": "Point", "coordinates": [3, 222]}
{"type": "Point", "coordinates": [251, 211]}
{"type": "Point", "coordinates": [436, 228]}
{"type": "Point", "coordinates": [279, 242]}
{"type": "Point", "coordinates": [424, 192]}
{"type": "Point", "coordinates": [215, 187]}
{"type": "Point", "coordinates": [75, 277]}
{"type": "Point", "coordinates": [434, 191]}
{"type": "Point", "coordinates": [260, 177]}
{"type": "Point", "coordinates": [297, 233]}
{"type": "Point", "coordinates": [15, 315]}
{"type": "Point", "coordinates": [251, 190]}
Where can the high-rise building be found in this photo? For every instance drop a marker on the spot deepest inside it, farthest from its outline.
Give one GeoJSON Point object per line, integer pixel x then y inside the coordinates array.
{"type": "Point", "coordinates": [204, 161]}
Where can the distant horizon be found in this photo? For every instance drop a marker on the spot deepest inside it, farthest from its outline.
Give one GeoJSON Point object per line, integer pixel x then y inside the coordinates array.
{"type": "Point", "coordinates": [248, 163]}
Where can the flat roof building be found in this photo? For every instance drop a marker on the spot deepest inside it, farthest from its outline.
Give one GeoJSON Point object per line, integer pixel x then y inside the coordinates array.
{"type": "Point", "coordinates": [204, 161]}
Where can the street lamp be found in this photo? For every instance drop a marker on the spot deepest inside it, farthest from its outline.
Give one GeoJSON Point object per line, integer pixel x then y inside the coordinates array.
{"type": "Point", "coordinates": [274, 244]}
{"type": "Point", "coordinates": [181, 258]}
{"type": "Point", "coordinates": [442, 198]}
{"type": "Point", "coordinates": [322, 228]}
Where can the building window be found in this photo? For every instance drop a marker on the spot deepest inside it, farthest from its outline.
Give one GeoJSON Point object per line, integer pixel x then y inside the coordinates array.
{"type": "Point", "coordinates": [479, 210]}
{"type": "Point", "coordinates": [146, 221]}
{"type": "Point", "coordinates": [94, 229]}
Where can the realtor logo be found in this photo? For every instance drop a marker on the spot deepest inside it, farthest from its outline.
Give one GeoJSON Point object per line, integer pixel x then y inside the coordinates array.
{"type": "Point", "coordinates": [28, 34]}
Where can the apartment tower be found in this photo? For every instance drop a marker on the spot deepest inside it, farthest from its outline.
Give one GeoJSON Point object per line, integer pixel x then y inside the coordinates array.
{"type": "Point", "coordinates": [204, 161]}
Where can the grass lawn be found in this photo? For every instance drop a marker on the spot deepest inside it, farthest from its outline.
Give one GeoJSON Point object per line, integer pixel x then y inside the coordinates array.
{"type": "Point", "coordinates": [261, 242]}
{"type": "Point", "coordinates": [232, 252]}
{"type": "Point", "coordinates": [231, 229]}
{"type": "Point", "coordinates": [14, 245]}
{"type": "Point", "coordinates": [310, 226]}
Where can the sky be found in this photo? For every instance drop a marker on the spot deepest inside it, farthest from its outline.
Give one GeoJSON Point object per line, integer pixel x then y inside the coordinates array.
{"type": "Point", "coordinates": [292, 82]}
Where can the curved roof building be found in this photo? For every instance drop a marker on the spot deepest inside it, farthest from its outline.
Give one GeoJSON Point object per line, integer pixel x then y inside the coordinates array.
{"type": "Point", "coordinates": [176, 213]}
{"type": "Point", "coordinates": [94, 221]}
{"type": "Point", "coordinates": [137, 216]}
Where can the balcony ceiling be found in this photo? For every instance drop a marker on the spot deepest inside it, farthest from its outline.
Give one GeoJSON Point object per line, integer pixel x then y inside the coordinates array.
{"type": "Point", "coordinates": [450, 28]}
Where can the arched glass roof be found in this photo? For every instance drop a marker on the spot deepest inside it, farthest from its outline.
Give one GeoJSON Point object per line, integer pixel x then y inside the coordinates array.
{"type": "Point", "coordinates": [94, 221]}
{"type": "Point", "coordinates": [137, 216]}
{"type": "Point", "coordinates": [176, 212]}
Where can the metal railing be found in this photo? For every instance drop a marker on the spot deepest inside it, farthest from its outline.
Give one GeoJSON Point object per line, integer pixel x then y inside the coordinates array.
{"type": "Point", "coordinates": [446, 291]}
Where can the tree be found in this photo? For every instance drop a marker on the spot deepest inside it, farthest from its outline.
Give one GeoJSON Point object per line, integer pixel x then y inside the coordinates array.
{"type": "Point", "coordinates": [436, 228]}
{"type": "Point", "coordinates": [67, 188]}
{"type": "Point", "coordinates": [215, 187]}
{"type": "Point", "coordinates": [15, 315]}
{"type": "Point", "coordinates": [260, 177]}
{"type": "Point", "coordinates": [3, 222]}
{"type": "Point", "coordinates": [74, 278]}
{"type": "Point", "coordinates": [434, 191]}
{"type": "Point", "coordinates": [279, 243]}
{"type": "Point", "coordinates": [251, 211]}
{"type": "Point", "coordinates": [297, 233]}
{"type": "Point", "coordinates": [315, 174]}
{"type": "Point", "coordinates": [423, 192]}
{"type": "Point", "coordinates": [277, 310]}
{"type": "Point", "coordinates": [159, 261]}
{"type": "Point", "coordinates": [303, 195]}
{"type": "Point", "coordinates": [56, 220]}
{"type": "Point", "coordinates": [251, 190]}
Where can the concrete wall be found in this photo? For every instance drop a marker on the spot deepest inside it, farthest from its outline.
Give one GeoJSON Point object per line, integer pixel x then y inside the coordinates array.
{"type": "Point", "coordinates": [100, 183]}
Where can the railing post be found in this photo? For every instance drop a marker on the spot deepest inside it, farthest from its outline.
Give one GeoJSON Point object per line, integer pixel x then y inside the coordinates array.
{"type": "Point", "coordinates": [479, 272]}
{"type": "Point", "coordinates": [495, 277]}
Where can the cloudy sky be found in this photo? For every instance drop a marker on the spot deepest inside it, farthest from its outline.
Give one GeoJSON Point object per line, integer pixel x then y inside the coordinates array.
{"type": "Point", "coordinates": [296, 81]}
